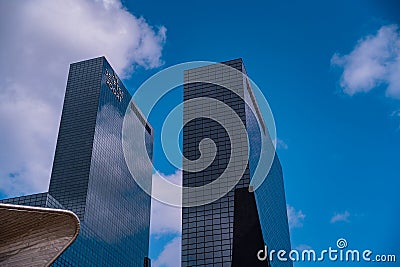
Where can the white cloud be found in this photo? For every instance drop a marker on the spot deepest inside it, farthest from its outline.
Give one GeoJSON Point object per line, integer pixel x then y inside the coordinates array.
{"type": "Point", "coordinates": [295, 217]}
{"type": "Point", "coordinates": [40, 39]}
{"type": "Point", "coordinates": [164, 218]}
{"type": "Point", "coordinates": [340, 217]}
{"type": "Point", "coordinates": [171, 255]}
{"type": "Point", "coordinates": [374, 61]}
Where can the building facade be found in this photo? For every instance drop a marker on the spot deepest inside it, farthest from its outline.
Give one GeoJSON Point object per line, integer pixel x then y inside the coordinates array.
{"type": "Point", "coordinates": [229, 231]}
{"type": "Point", "coordinates": [90, 176]}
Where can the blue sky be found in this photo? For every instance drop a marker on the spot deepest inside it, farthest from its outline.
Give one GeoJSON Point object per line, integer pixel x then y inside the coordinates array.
{"type": "Point", "coordinates": [340, 135]}
{"type": "Point", "coordinates": [341, 153]}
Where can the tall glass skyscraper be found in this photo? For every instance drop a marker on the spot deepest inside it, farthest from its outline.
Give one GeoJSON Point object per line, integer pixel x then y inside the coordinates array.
{"type": "Point", "coordinates": [90, 176]}
{"type": "Point", "coordinates": [231, 230]}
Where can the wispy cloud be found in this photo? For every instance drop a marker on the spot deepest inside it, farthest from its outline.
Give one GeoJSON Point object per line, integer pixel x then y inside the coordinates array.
{"type": "Point", "coordinates": [280, 144]}
{"type": "Point", "coordinates": [374, 61]}
{"type": "Point", "coordinates": [295, 217]}
{"type": "Point", "coordinates": [302, 247]}
{"type": "Point", "coordinates": [43, 38]}
{"type": "Point", "coordinates": [396, 113]}
{"type": "Point", "coordinates": [166, 219]}
{"type": "Point", "coordinates": [171, 255]}
{"type": "Point", "coordinates": [340, 217]}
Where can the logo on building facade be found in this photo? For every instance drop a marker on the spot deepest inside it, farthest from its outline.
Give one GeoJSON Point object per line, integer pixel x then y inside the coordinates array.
{"type": "Point", "coordinates": [113, 83]}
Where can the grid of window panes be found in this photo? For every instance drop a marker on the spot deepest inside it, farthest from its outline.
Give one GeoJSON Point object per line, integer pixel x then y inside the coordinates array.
{"type": "Point", "coordinates": [72, 159]}
{"type": "Point", "coordinates": [270, 196]}
{"type": "Point", "coordinates": [35, 200]}
{"type": "Point", "coordinates": [42, 200]}
{"type": "Point", "coordinates": [53, 203]}
{"type": "Point", "coordinates": [207, 231]}
{"type": "Point", "coordinates": [89, 249]}
{"type": "Point", "coordinates": [115, 226]}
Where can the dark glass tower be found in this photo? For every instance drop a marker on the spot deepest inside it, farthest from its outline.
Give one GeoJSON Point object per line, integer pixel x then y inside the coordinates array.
{"type": "Point", "coordinates": [231, 230]}
{"type": "Point", "coordinates": [90, 176]}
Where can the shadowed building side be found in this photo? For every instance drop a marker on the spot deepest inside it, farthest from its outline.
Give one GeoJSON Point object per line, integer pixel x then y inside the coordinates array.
{"type": "Point", "coordinates": [247, 237]}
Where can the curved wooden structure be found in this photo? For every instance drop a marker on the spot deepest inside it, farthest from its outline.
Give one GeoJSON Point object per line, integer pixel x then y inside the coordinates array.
{"type": "Point", "coordinates": [31, 236]}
